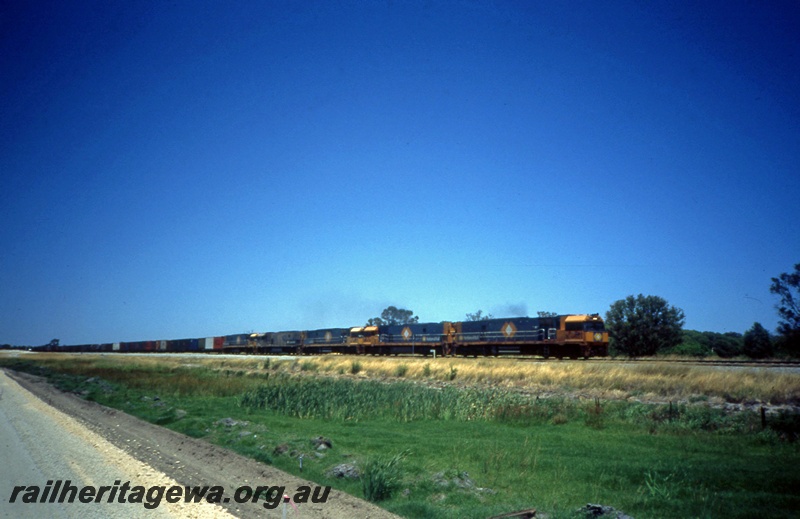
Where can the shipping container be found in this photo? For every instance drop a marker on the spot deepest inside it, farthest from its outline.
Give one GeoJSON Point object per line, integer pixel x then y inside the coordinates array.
{"type": "Point", "coordinates": [238, 340]}
{"type": "Point", "coordinates": [178, 345]}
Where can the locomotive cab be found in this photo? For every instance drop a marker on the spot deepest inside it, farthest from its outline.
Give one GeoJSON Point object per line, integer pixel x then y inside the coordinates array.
{"type": "Point", "coordinates": [586, 331]}
{"type": "Point", "coordinates": [585, 328]}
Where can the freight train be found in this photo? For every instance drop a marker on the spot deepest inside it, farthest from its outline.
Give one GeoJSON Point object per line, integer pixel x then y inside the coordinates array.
{"type": "Point", "coordinates": [557, 336]}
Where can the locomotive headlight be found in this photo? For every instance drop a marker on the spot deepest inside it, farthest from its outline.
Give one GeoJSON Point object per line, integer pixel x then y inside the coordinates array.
{"type": "Point", "coordinates": [598, 336]}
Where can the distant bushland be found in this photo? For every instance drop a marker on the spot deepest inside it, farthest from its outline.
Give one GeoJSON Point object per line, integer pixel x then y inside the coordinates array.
{"type": "Point", "coordinates": [705, 344]}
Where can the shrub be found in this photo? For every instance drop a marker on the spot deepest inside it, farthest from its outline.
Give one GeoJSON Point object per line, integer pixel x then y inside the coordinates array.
{"type": "Point", "coordinates": [453, 372]}
{"type": "Point", "coordinates": [309, 365]}
{"type": "Point", "coordinates": [694, 344]}
{"type": "Point", "coordinates": [381, 477]}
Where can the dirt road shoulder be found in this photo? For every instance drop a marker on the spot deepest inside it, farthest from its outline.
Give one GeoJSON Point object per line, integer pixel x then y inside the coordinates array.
{"type": "Point", "coordinates": [191, 461]}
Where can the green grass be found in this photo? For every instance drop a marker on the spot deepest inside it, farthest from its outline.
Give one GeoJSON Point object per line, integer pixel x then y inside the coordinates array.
{"type": "Point", "coordinates": [448, 452]}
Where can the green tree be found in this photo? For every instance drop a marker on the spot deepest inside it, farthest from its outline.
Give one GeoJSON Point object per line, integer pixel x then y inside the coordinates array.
{"type": "Point", "coordinates": [725, 345]}
{"type": "Point", "coordinates": [757, 342]}
{"type": "Point", "coordinates": [787, 287]}
{"type": "Point", "coordinates": [393, 315]}
{"type": "Point", "coordinates": [644, 325]}
{"type": "Point", "coordinates": [693, 344]}
{"type": "Point", "coordinates": [479, 316]}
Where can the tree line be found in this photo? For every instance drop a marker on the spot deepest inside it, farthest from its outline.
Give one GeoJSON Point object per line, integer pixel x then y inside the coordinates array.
{"type": "Point", "coordinates": [649, 325]}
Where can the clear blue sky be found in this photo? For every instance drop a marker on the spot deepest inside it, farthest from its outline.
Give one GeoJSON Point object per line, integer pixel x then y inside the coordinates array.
{"type": "Point", "coordinates": [187, 169]}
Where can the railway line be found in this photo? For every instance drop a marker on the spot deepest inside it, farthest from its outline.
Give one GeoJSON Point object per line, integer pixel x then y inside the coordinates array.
{"type": "Point", "coordinates": [714, 362]}
{"type": "Point", "coordinates": [791, 365]}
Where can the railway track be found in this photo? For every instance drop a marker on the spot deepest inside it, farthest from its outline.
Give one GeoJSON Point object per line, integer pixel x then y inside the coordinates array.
{"type": "Point", "coordinates": [724, 363]}
{"type": "Point", "coordinates": [692, 362]}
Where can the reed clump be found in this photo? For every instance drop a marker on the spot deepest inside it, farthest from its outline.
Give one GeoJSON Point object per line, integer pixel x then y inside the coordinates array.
{"type": "Point", "coordinates": [349, 399]}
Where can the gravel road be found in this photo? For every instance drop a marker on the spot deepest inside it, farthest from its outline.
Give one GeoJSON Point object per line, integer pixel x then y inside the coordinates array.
{"type": "Point", "coordinates": [47, 435]}
{"type": "Point", "coordinates": [40, 444]}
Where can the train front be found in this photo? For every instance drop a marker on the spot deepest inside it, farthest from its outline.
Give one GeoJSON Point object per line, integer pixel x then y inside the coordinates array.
{"type": "Point", "coordinates": [587, 332]}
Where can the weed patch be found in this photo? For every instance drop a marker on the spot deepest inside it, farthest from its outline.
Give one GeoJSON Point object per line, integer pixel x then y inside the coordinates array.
{"type": "Point", "coordinates": [380, 477]}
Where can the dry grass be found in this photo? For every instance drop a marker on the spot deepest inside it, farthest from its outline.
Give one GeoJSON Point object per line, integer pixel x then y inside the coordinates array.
{"type": "Point", "coordinates": [595, 378]}
{"type": "Point", "coordinates": [640, 380]}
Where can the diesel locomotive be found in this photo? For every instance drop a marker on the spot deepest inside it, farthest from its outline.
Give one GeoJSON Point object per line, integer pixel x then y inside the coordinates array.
{"type": "Point", "coordinates": [558, 336]}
